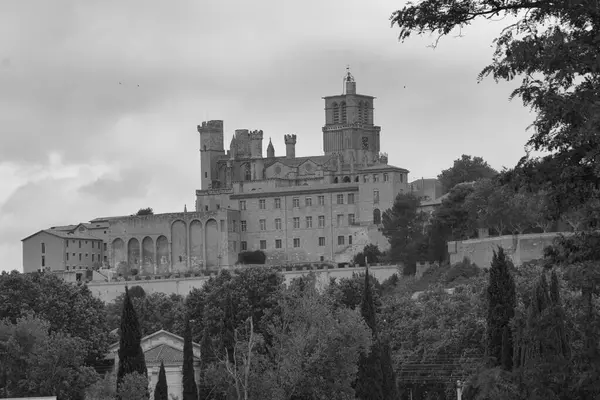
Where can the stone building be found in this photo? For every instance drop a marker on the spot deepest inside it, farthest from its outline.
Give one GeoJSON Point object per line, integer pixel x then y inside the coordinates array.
{"type": "Point", "coordinates": [323, 207]}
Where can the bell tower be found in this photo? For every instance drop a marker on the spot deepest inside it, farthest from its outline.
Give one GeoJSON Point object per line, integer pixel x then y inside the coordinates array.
{"type": "Point", "coordinates": [349, 128]}
{"type": "Point", "coordinates": [211, 148]}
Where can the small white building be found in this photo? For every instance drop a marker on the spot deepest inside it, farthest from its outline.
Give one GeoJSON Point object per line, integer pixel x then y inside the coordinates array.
{"type": "Point", "coordinates": [166, 347]}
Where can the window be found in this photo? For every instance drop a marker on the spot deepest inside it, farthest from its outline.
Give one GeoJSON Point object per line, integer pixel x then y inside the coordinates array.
{"type": "Point", "coordinates": [234, 225]}
{"type": "Point", "coordinates": [340, 219]}
{"type": "Point", "coordinates": [67, 241]}
{"type": "Point", "coordinates": [321, 241]}
{"type": "Point", "coordinates": [278, 223]}
{"type": "Point", "coordinates": [43, 261]}
{"type": "Point", "coordinates": [401, 178]}
{"type": "Point", "coordinates": [79, 256]}
{"type": "Point", "coordinates": [308, 201]}
{"type": "Point", "coordinates": [261, 204]}
{"type": "Point", "coordinates": [218, 206]}
{"type": "Point", "coordinates": [277, 243]}
{"type": "Point", "coordinates": [296, 242]}
{"type": "Point", "coordinates": [242, 204]}
{"type": "Point", "coordinates": [350, 198]}
{"type": "Point", "coordinates": [86, 242]}
{"type": "Point", "coordinates": [263, 244]}
{"type": "Point", "coordinates": [67, 256]}
{"type": "Point", "coordinates": [43, 247]}
{"type": "Point", "coordinates": [340, 240]}
{"type": "Point", "coordinates": [244, 246]}
{"type": "Point", "coordinates": [376, 216]}
{"type": "Point", "coordinates": [376, 196]}
{"type": "Point", "coordinates": [296, 222]}
{"type": "Point", "coordinates": [351, 220]}
{"type": "Point", "coordinates": [104, 246]}
{"type": "Point", "coordinates": [243, 226]}
{"type": "Point", "coordinates": [80, 244]}
{"type": "Point", "coordinates": [386, 177]}
{"type": "Point", "coordinates": [263, 224]}
{"type": "Point", "coordinates": [365, 178]}
{"type": "Point", "coordinates": [234, 246]}
{"type": "Point", "coordinates": [321, 200]}
{"type": "Point", "coordinates": [92, 257]}
{"type": "Point", "coordinates": [86, 255]}
{"type": "Point", "coordinates": [375, 178]}
{"type": "Point", "coordinates": [296, 202]}
{"type": "Point", "coordinates": [321, 221]}
{"type": "Point", "coordinates": [205, 208]}
{"type": "Point", "coordinates": [206, 174]}
{"type": "Point", "coordinates": [349, 239]}
{"type": "Point", "coordinates": [278, 203]}
{"type": "Point", "coordinates": [340, 199]}
{"type": "Point", "coordinates": [105, 258]}
{"type": "Point", "coordinates": [308, 222]}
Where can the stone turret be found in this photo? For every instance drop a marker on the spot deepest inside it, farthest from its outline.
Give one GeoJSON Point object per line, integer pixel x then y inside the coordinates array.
{"type": "Point", "coordinates": [256, 138]}
{"type": "Point", "coordinates": [350, 83]}
{"type": "Point", "coordinates": [290, 146]}
{"type": "Point", "coordinates": [270, 150]}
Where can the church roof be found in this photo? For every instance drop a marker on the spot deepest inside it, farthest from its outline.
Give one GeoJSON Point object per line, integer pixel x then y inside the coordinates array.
{"type": "Point", "coordinates": [297, 161]}
{"type": "Point", "coordinates": [163, 353]}
{"type": "Point", "coordinates": [382, 167]}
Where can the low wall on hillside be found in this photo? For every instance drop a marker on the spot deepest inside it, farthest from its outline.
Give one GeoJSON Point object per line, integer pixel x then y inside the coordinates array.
{"type": "Point", "coordinates": [520, 248]}
{"type": "Point", "coordinates": [109, 291]}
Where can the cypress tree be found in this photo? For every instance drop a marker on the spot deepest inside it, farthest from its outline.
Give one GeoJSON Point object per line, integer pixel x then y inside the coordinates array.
{"type": "Point", "coordinates": [161, 391]}
{"type": "Point", "coordinates": [190, 391]}
{"type": "Point", "coordinates": [506, 362]}
{"type": "Point", "coordinates": [502, 300]}
{"type": "Point", "coordinates": [131, 356]}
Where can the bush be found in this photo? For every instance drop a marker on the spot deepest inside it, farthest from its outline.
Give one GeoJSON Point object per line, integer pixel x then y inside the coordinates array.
{"type": "Point", "coordinates": [252, 257]}
{"type": "Point", "coordinates": [133, 387]}
{"type": "Point", "coordinates": [464, 269]}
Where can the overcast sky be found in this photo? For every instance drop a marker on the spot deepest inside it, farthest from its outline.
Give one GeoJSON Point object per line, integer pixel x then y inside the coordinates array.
{"type": "Point", "coordinates": [99, 100]}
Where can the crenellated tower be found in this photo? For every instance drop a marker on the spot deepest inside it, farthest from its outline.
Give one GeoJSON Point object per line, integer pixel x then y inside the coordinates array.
{"type": "Point", "coordinates": [349, 125]}
{"type": "Point", "coordinates": [290, 145]}
{"type": "Point", "coordinates": [211, 148]}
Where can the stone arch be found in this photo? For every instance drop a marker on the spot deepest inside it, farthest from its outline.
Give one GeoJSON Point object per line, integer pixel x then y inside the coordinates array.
{"type": "Point", "coordinates": [196, 244]}
{"type": "Point", "coordinates": [178, 245]}
{"type": "Point", "coordinates": [118, 252]}
{"type": "Point", "coordinates": [343, 112]}
{"type": "Point", "coordinates": [347, 179]}
{"type": "Point", "coordinates": [336, 113]}
{"type": "Point", "coordinates": [162, 255]}
{"type": "Point", "coordinates": [133, 253]}
{"type": "Point", "coordinates": [335, 180]}
{"type": "Point", "coordinates": [376, 216]}
{"type": "Point", "coordinates": [212, 243]}
{"type": "Point", "coordinates": [148, 260]}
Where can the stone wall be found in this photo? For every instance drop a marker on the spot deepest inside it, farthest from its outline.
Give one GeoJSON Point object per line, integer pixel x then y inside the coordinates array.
{"type": "Point", "coordinates": [521, 248]}
{"type": "Point", "coordinates": [109, 291]}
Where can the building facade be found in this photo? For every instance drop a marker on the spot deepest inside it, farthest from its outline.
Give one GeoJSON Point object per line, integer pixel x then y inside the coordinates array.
{"type": "Point", "coordinates": [320, 208]}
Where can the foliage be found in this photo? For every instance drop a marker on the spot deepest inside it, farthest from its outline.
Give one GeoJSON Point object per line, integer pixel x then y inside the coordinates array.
{"type": "Point", "coordinates": [155, 311]}
{"type": "Point", "coordinates": [134, 386]}
{"type": "Point", "coordinates": [403, 227]}
{"type": "Point", "coordinates": [462, 270]}
{"type": "Point", "coordinates": [465, 169]}
{"type": "Point", "coordinates": [68, 308]}
{"type": "Point", "coordinates": [131, 356]}
{"type": "Point", "coordinates": [452, 219]}
{"type": "Point", "coordinates": [103, 389]}
{"type": "Point", "coordinates": [348, 292]}
{"type": "Point", "coordinates": [370, 254]}
{"type": "Point", "coordinates": [190, 391]}
{"type": "Point", "coordinates": [145, 211]}
{"type": "Point", "coordinates": [501, 294]}
{"type": "Point", "coordinates": [38, 362]}
{"type": "Point", "coordinates": [252, 257]}
{"type": "Point", "coordinates": [161, 391]}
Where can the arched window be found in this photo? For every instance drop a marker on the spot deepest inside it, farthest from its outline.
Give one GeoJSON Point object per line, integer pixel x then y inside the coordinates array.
{"type": "Point", "coordinates": [335, 180]}
{"type": "Point", "coordinates": [347, 179]}
{"type": "Point", "coordinates": [336, 113]}
{"type": "Point", "coordinates": [343, 107]}
{"type": "Point", "coordinates": [361, 115]}
{"type": "Point", "coordinates": [376, 216]}
{"type": "Point", "coordinates": [356, 179]}
{"type": "Point", "coordinates": [247, 173]}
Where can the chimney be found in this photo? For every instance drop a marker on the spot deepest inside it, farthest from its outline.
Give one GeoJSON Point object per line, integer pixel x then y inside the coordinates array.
{"type": "Point", "coordinates": [290, 146]}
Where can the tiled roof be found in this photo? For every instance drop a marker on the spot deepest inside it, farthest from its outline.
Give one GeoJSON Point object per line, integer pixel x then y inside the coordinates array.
{"type": "Point", "coordinates": [296, 161]}
{"type": "Point", "coordinates": [164, 353]}
{"type": "Point", "coordinates": [381, 167]}
{"type": "Point", "coordinates": [74, 235]}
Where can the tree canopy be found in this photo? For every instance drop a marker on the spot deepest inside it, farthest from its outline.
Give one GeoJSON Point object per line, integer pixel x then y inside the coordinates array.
{"type": "Point", "coordinates": [465, 169]}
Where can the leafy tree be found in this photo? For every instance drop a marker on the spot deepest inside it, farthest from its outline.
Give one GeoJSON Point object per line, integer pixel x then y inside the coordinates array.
{"type": "Point", "coordinates": [370, 253]}
{"type": "Point", "coordinates": [68, 308]}
{"type": "Point", "coordinates": [501, 307]}
{"type": "Point", "coordinates": [190, 391]}
{"type": "Point", "coordinates": [553, 48]}
{"type": "Point", "coordinates": [145, 211]}
{"type": "Point", "coordinates": [161, 391]}
{"type": "Point", "coordinates": [103, 389]}
{"type": "Point", "coordinates": [349, 292]}
{"type": "Point", "coordinates": [453, 217]}
{"type": "Point", "coordinates": [465, 169]}
{"type": "Point", "coordinates": [134, 386]}
{"type": "Point", "coordinates": [252, 257]}
{"type": "Point", "coordinates": [131, 356]}
{"type": "Point", "coordinates": [403, 227]}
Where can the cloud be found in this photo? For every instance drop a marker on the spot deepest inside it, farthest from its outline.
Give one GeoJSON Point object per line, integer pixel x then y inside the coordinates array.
{"type": "Point", "coordinates": [132, 183]}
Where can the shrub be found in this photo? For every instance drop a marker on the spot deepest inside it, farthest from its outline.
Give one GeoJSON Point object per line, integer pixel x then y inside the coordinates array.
{"type": "Point", "coordinates": [464, 269]}
{"type": "Point", "coordinates": [252, 257]}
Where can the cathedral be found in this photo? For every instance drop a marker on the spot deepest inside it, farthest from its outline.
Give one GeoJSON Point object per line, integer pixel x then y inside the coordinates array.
{"type": "Point", "coordinates": [320, 208]}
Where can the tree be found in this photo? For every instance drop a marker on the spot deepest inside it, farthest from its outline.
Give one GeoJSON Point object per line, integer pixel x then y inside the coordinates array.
{"type": "Point", "coordinates": [553, 46]}
{"type": "Point", "coordinates": [370, 254]}
{"type": "Point", "coordinates": [403, 227]}
{"type": "Point", "coordinates": [68, 308]}
{"type": "Point", "coordinates": [145, 211]}
{"type": "Point", "coordinates": [190, 391]}
{"type": "Point", "coordinates": [131, 356]}
{"type": "Point", "coordinates": [161, 391]}
{"type": "Point", "coordinates": [501, 307]}
{"type": "Point", "coordinates": [453, 218]}
{"type": "Point", "coordinates": [349, 292]}
{"type": "Point", "coordinates": [465, 169]}
{"type": "Point", "coordinates": [134, 386]}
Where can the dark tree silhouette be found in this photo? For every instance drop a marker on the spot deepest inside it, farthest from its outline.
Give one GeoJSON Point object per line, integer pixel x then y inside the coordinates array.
{"type": "Point", "coordinates": [190, 391]}
{"type": "Point", "coordinates": [131, 356]}
{"type": "Point", "coordinates": [161, 391]}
